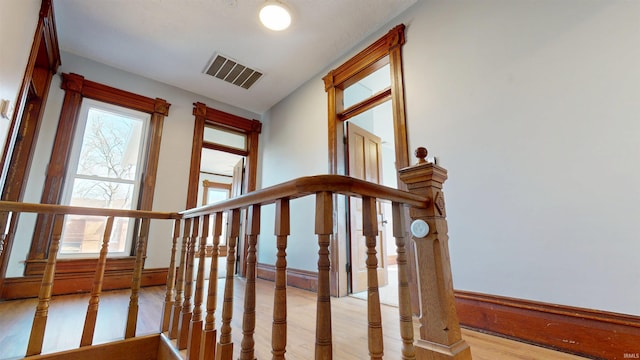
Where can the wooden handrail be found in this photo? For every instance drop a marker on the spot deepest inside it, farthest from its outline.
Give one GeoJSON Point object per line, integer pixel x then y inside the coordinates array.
{"type": "Point", "coordinates": [79, 210]}
{"type": "Point", "coordinates": [183, 314]}
{"type": "Point", "coordinates": [300, 187]}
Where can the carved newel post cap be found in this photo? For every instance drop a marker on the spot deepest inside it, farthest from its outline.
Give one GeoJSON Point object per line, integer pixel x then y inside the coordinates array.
{"type": "Point", "coordinates": [421, 154]}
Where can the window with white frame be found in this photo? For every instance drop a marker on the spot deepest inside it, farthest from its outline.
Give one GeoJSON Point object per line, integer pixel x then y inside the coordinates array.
{"type": "Point", "coordinates": [105, 171]}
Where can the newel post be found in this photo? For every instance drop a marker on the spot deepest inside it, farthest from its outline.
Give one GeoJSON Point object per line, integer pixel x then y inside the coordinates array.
{"type": "Point", "coordinates": [440, 336]}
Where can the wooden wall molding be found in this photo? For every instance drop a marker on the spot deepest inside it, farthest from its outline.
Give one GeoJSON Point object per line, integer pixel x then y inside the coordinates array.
{"type": "Point", "coordinates": [592, 333]}
{"type": "Point", "coordinates": [303, 279]}
{"type": "Point", "coordinates": [29, 286]}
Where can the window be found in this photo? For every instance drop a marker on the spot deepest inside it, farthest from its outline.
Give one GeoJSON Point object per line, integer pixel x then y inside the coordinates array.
{"type": "Point", "coordinates": [64, 163]}
{"type": "Point", "coordinates": [225, 137]}
{"type": "Point", "coordinates": [104, 172]}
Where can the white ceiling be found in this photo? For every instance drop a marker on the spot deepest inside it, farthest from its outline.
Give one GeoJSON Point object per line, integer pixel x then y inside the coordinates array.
{"type": "Point", "coordinates": [173, 41]}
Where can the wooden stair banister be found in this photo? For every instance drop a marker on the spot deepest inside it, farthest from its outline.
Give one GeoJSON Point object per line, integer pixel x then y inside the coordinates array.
{"type": "Point", "coordinates": [171, 280]}
{"type": "Point", "coordinates": [42, 310]}
{"type": "Point", "coordinates": [209, 333]}
{"type": "Point", "coordinates": [183, 318]}
{"type": "Point", "coordinates": [370, 231]}
{"type": "Point", "coordinates": [279, 328]}
{"type": "Point", "coordinates": [324, 231]}
{"type": "Point", "coordinates": [196, 324]}
{"type": "Point", "coordinates": [187, 307]}
{"type": "Point", "coordinates": [224, 348]}
{"type": "Point", "coordinates": [94, 301]}
{"type": "Point", "coordinates": [141, 251]}
{"type": "Point", "coordinates": [404, 297]}
{"type": "Point", "coordinates": [177, 303]}
{"type": "Point", "coordinates": [249, 316]}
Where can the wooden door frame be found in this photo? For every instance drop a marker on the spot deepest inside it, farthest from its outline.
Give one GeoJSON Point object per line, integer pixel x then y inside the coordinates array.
{"type": "Point", "coordinates": [385, 50]}
{"type": "Point", "coordinates": [43, 63]}
{"type": "Point", "coordinates": [252, 128]}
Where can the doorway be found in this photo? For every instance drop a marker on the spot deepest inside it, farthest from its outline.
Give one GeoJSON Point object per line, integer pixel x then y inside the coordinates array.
{"type": "Point", "coordinates": [224, 160]}
{"type": "Point", "coordinates": [353, 91]}
{"type": "Point", "coordinates": [371, 157]}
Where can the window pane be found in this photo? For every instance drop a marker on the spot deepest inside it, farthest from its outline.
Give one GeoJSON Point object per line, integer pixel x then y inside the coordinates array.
{"type": "Point", "coordinates": [83, 234]}
{"type": "Point", "coordinates": [110, 146]}
{"type": "Point", "coordinates": [215, 195]}
{"type": "Point", "coordinates": [102, 194]}
{"type": "Point", "coordinates": [367, 87]}
{"type": "Point", "coordinates": [225, 137]}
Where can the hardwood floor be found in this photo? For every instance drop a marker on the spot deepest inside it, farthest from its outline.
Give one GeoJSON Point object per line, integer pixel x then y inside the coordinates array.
{"type": "Point", "coordinates": [66, 317]}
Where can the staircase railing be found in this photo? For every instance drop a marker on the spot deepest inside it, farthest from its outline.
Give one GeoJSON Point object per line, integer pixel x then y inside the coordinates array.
{"type": "Point", "coordinates": [190, 320]}
{"type": "Point", "coordinates": [58, 213]}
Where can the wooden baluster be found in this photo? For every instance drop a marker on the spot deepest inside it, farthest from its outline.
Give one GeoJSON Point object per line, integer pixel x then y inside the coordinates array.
{"type": "Point", "coordinates": [249, 317]}
{"type": "Point", "coordinates": [5, 220]}
{"type": "Point", "coordinates": [171, 279]}
{"type": "Point", "coordinates": [224, 349]}
{"type": "Point", "coordinates": [370, 232]}
{"type": "Point", "coordinates": [404, 297]}
{"type": "Point", "coordinates": [46, 288]}
{"type": "Point", "coordinates": [195, 327]}
{"type": "Point", "coordinates": [177, 304]}
{"type": "Point", "coordinates": [324, 230]}
{"type": "Point", "coordinates": [187, 308]}
{"type": "Point", "coordinates": [141, 251]}
{"type": "Point", "coordinates": [279, 328]}
{"type": "Point", "coordinates": [209, 335]}
{"type": "Point", "coordinates": [94, 301]}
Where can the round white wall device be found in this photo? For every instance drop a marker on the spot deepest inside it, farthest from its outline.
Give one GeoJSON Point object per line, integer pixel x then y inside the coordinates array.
{"type": "Point", "coordinates": [419, 228]}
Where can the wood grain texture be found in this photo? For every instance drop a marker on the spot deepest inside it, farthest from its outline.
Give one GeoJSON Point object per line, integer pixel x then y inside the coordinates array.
{"type": "Point", "coordinates": [349, 325]}
{"type": "Point", "coordinates": [580, 331]}
{"type": "Point", "coordinates": [46, 289]}
{"type": "Point", "coordinates": [324, 229]}
{"type": "Point", "coordinates": [302, 279]}
{"type": "Point", "coordinates": [94, 301]}
{"type": "Point", "coordinates": [279, 327]}
{"type": "Point", "coordinates": [171, 279]}
{"type": "Point", "coordinates": [440, 328]}
{"type": "Point", "coordinates": [28, 286]}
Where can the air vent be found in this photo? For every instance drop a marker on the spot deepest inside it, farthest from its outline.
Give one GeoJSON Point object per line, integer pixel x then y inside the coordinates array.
{"type": "Point", "coordinates": [232, 72]}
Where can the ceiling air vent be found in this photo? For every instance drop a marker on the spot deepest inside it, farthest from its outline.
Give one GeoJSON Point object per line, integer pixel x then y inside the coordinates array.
{"type": "Point", "coordinates": [232, 72]}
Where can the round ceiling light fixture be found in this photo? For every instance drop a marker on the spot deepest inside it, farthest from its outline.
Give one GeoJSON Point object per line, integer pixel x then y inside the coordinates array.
{"type": "Point", "coordinates": [275, 15]}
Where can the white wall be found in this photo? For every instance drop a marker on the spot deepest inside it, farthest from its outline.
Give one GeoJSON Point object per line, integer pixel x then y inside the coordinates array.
{"type": "Point", "coordinates": [18, 21]}
{"type": "Point", "coordinates": [175, 151]}
{"type": "Point", "coordinates": [293, 143]}
{"type": "Point", "coordinates": [533, 107]}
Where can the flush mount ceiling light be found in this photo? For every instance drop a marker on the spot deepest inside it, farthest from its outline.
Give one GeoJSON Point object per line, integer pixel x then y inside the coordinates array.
{"type": "Point", "coordinates": [275, 15]}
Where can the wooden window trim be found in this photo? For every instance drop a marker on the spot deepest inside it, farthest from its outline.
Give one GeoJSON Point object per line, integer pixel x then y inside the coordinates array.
{"type": "Point", "coordinates": [76, 88]}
